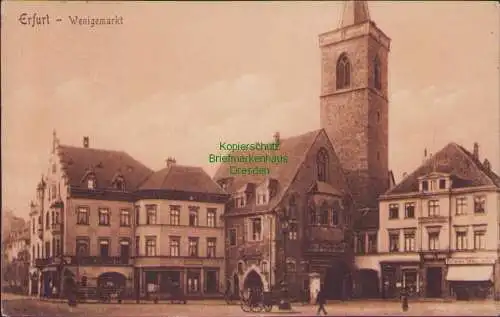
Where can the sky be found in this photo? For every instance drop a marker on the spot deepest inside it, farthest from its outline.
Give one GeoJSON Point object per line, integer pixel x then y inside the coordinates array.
{"type": "Point", "coordinates": [177, 78]}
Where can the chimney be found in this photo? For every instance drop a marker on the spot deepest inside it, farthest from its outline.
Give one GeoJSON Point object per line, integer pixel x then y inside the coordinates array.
{"type": "Point", "coordinates": [476, 151]}
{"type": "Point", "coordinates": [85, 141]}
{"type": "Point", "coordinates": [276, 137]}
{"type": "Point", "coordinates": [487, 164]}
{"type": "Point", "coordinates": [170, 161]}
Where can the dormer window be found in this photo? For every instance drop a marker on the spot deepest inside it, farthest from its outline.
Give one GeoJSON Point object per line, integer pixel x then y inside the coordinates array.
{"type": "Point", "coordinates": [240, 200]}
{"type": "Point", "coordinates": [442, 184]}
{"type": "Point", "coordinates": [262, 195]}
{"type": "Point", "coordinates": [425, 186]}
{"type": "Point", "coordinates": [119, 183]}
{"type": "Point", "coordinates": [91, 183]}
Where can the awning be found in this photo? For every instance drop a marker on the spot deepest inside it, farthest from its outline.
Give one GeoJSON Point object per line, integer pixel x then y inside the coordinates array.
{"type": "Point", "coordinates": [470, 273]}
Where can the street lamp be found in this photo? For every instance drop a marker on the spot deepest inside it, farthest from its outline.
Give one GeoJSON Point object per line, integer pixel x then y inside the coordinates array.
{"type": "Point", "coordinates": [285, 301]}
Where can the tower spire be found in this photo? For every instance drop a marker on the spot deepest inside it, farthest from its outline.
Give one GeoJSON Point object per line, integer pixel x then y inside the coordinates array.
{"type": "Point", "coordinates": [354, 12]}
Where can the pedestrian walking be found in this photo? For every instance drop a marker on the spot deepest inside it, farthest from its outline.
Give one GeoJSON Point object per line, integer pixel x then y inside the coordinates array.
{"type": "Point", "coordinates": [321, 301]}
{"type": "Point", "coordinates": [404, 299]}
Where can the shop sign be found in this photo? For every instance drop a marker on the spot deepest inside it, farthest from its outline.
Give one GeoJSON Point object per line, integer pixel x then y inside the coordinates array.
{"type": "Point", "coordinates": [470, 261]}
{"type": "Point", "coordinates": [434, 256]}
{"type": "Point", "coordinates": [193, 262]}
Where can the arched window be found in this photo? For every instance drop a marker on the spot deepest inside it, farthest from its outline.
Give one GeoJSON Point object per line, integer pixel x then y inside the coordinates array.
{"type": "Point", "coordinates": [322, 164]}
{"type": "Point", "coordinates": [343, 72]}
{"type": "Point", "coordinates": [292, 207]}
{"type": "Point", "coordinates": [324, 215]}
{"type": "Point", "coordinates": [335, 213]}
{"type": "Point", "coordinates": [291, 267]}
{"type": "Point", "coordinates": [377, 78]}
{"type": "Point", "coordinates": [313, 220]}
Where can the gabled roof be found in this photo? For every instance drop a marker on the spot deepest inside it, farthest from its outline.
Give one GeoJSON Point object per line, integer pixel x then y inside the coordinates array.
{"type": "Point", "coordinates": [182, 178]}
{"type": "Point", "coordinates": [453, 159]}
{"type": "Point", "coordinates": [296, 148]}
{"type": "Point", "coordinates": [105, 164]}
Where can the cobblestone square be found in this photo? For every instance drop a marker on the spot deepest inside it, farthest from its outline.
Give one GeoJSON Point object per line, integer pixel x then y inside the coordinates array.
{"type": "Point", "coordinates": [13, 305]}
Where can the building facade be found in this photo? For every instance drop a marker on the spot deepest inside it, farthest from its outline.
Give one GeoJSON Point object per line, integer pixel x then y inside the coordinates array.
{"type": "Point", "coordinates": [86, 219]}
{"type": "Point", "coordinates": [439, 229]}
{"type": "Point", "coordinates": [179, 232]}
{"type": "Point", "coordinates": [309, 195]}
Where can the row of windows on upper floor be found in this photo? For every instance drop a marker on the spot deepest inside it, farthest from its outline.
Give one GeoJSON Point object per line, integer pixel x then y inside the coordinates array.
{"type": "Point", "coordinates": [83, 216]}
{"type": "Point", "coordinates": [150, 247]}
{"type": "Point", "coordinates": [367, 242]}
{"type": "Point", "coordinates": [344, 72]}
{"type": "Point", "coordinates": [433, 209]}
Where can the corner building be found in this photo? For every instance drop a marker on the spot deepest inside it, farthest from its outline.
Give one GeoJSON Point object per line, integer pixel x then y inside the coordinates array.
{"type": "Point", "coordinates": [103, 217]}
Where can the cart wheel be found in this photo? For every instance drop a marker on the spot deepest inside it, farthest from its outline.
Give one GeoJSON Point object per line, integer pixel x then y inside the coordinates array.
{"type": "Point", "coordinates": [244, 307]}
{"type": "Point", "coordinates": [257, 308]}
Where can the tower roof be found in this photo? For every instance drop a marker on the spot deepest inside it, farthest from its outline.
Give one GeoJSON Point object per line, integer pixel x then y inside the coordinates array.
{"type": "Point", "coordinates": [354, 12]}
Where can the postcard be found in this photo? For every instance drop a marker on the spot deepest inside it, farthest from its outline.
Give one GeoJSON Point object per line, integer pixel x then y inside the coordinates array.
{"type": "Point", "coordinates": [250, 158]}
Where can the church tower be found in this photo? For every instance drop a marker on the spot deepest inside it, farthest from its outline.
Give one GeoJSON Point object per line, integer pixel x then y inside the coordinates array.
{"type": "Point", "coordinates": [354, 100]}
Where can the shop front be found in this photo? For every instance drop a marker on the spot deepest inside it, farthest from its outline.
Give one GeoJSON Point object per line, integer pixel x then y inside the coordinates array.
{"type": "Point", "coordinates": [471, 278]}
{"type": "Point", "coordinates": [434, 270]}
{"type": "Point", "coordinates": [398, 275]}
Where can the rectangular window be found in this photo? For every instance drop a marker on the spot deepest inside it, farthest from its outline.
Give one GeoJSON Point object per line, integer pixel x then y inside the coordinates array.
{"type": "Point", "coordinates": [372, 242]}
{"type": "Point", "coordinates": [175, 215]}
{"type": "Point", "coordinates": [479, 240]}
{"type": "Point", "coordinates": [151, 215]}
{"type": "Point", "coordinates": [410, 210]}
{"type": "Point", "coordinates": [425, 186]}
{"type": "Point", "coordinates": [293, 231]}
{"type": "Point", "coordinates": [193, 216]}
{"type": "Point", "coordinates": [211, 247]}
{"type": "Point", "coordinates": [211, 217]}
{"type": "Point", "coordinates": [125, 250]}
{"type": "Point", "coordinates": [150, 246]}
{"type": "Point", "coordinates": [393, 211]}
{"type": "Point", "coordinates": [193, 282]}
{"type": "Point", "coordinates": [394, 242]}
{"type": "Point", "coordinates": [58, 247]}
{"type": "Point", "coordinates": [360, 243]}
{"type": "Point", "coordinates": [54, 191]}
{"type": "Point", "coordinates": [82, 247]}
{"type": "Point", "coordinates": [461, 240]}
{"type": "Point", "coordinates": [103, 217]}
{"type": "Point", "coordinates": [433, 208]}
{"type": "Point", "coordinates": [47, 249]}
{"type": "Point", "coordinates": [255, 229]}
{"type": "Point", "coordinates": [442, 184]}
{"type": "Point", "coordinates": [175, 246]}
{"type": "Point", "coordinates": [193, 247]}
{"type": "Point", "coordinates": [83, 216]}
{"type": "Point", "coordinates": [231, 234]}
{"type": "Point", "coordinates": [137, 211]}
{"type": "Point", "coordinates": [124, 218]}
{"type": "Point", "coordinates": [461, 206]}
{"type": "Point", "coordinates": [433, 241]}
{"type": "Point", "coordinates": [104, 248]}
{"type": "Point", "coordinates": [137, 245]}
{"type": "Point", "coordinates": [409, 241]}
{"type": "Point", "coordinates": [479, 204]}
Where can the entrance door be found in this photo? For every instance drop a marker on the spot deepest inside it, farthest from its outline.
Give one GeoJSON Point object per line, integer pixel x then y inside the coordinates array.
{"type": "Point", "coordinates": [211, 281]}
{"type": "Point", "coordinates": [434, 282]}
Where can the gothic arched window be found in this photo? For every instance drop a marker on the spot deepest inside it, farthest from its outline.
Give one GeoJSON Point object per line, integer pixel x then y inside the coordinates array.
{"type": "Point", "coordinates": [377, 78]}
{"type": "Point", "coordinates": [336, 213]}
{"type": "Point", "coordinates": [292, 207]}
{"type": "Point", "coordinates": [313, 220]}
{"type": "Point", "coordinates": [324, 215]}
{"type": "Point", "coordinates": [343, 72]}
{"type": "Point", "coordinates": [322, 164]}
